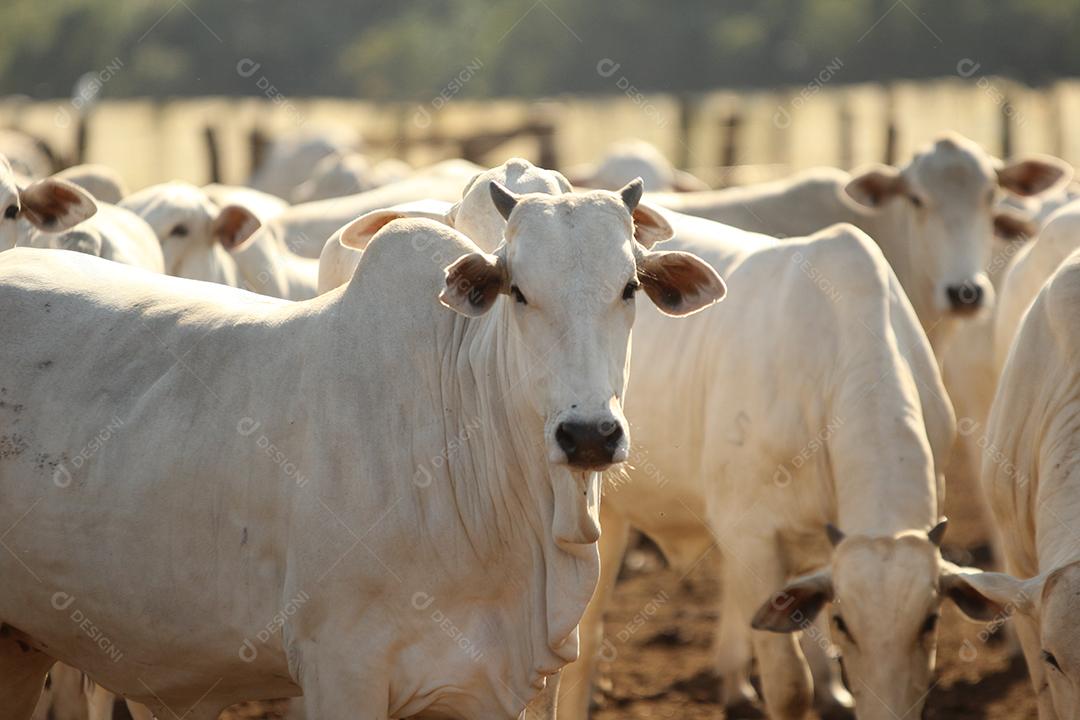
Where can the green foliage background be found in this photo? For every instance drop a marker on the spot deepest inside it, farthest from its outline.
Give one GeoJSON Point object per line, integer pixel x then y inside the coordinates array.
{"type": "Point", "coordinates": [398, 49]}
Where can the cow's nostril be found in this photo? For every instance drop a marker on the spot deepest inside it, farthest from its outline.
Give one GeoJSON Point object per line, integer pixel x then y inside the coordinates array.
{"type": "Point", "coordinates": [613, 433]}
{"type": "Point", "coordinates": [965, 296]}
{"type": "Point", "coordinates": [565, 439]}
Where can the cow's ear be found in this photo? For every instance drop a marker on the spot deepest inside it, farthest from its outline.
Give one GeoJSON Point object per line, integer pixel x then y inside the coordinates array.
{"type": "Point", "coordinates": [874, 187]}
{"type": "Point", "coordinates": [1033, 175]}
{"type": "Point", "coordinates": [796, 605]}
{"type": "Point", "coordinates": [53, 205]}
{"type": "Point", "coordinates": [233, 225]}
{"type": "Point", "coordinates": [650, 227]}
{"type": "Point", "coordinates": [984, 596]}
{"type": "Point", "coordinates": [1012, 226]}
{"type": "Point", "coordinates": [679, 283]}
{"type": "Point", "coordinates": [473, 282]}
{"type": "Point", "coordinates": [359, 232]}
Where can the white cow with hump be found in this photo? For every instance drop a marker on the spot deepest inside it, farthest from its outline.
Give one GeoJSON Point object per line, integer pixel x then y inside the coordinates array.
{"type": "Point", "coordinates": [510, 398]}
{"type": "Point", "coordinates": [1030, 474]}
{"type": "Point", "coordinates": [934, 218]}
{"type": "Point", "coordinates": [897, 359]}
{"type": "Point", "coordinates": [854, 434]}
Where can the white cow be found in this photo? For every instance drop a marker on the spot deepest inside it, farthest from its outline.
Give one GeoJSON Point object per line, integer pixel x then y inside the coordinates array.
{"type": "Point", "coordinates": [30, 156]}
{"type": "Point", "coordinates": [934, 218]}
{"type": "Point", "coordinates": [113, 233]}
{"type": "Point", "coordinates": [254, 553]}
{"type": "Point", "coordinates": [49, 205]}
{"type": "Point", "coordinates": [291, 159]}
{"type": "Point", "coordinates": [839, 417]}
{"type": "Point", "coordinates": [195, 233]}
{"type": "Point", "coordinates": [264, 205]}
{"type": "Point", "coordinates": [1029, 271]}
{"type": "Point", "coordinates": [473, 215]}
{"type": "Point", "coordinates": [628, 159]}
{"type": "Point", "coordinates": [304, 228]}
{"type": "Point", "coordinates": [338, 175]}
{"type": "Point", "coordinates": [101, 181]}
{"type": "Point", "coordinates": [1030, 475]}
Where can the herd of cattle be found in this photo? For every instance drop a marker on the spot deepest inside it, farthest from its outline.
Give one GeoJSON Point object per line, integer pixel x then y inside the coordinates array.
{"type": "Point", "coordinates": [343, 432]}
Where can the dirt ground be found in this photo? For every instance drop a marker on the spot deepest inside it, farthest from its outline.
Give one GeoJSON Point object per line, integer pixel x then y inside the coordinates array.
{"type": "Point", "coordinates": [663, 669]}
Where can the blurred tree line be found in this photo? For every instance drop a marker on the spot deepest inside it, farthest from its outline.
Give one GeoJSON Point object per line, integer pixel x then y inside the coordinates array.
{"type": "Point", "coordinates": [380, 49]}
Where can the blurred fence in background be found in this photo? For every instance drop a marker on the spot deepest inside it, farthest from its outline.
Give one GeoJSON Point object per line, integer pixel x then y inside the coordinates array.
{"type": "Point", "coordinates": [724, 137]}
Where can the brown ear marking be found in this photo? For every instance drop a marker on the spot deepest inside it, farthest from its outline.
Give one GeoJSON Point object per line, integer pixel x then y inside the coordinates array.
{"type": "Point", "coordinates": [473, 282]}
{"type": "Point", "coordinates": [231, 227]}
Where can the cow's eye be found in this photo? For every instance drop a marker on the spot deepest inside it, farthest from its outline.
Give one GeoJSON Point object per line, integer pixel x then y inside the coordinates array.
{"type": "Point", "coordinates": [1050, 660]}
{"type": "Point", "coordinates": [930, 624]}
{"type": "Point", "coordinates": [517, 295]}
{"type": "Point", "coordinates": [179, 231]}
{"type": "Point", "coordinates": [631, 287]}
{"type": "Point", "coordinates": [11, 212]}
{"type": "Point", "coordinates": [842, 627]}
{"type": "Point", "coordinates": [915, 200]}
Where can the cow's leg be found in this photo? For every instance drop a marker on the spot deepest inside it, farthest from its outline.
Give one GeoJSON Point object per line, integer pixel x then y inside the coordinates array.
{"type": "Point", "coordinates": [830, 696]}
{"type": "Point", "coordinates": [22, 674]}
{"type": "Point", "coordinates": [575, 686]}
{"type": "Point", "coordinates": [732, 652]}
{"type": "Point", "coordinates": [785, 678]}
{"type": "Point", "coordinates": [138, 711]}
{"type": "Point", "coordinates": [99, 701]}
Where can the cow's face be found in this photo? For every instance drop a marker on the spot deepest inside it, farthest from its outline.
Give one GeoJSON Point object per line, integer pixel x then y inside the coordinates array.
{"type": "Point", "coordinates": [569, 272]}
{"type": "Point", "coordinates": [944, 208]}
{"type": "Point", "coordinates": [195, 234]}
{"type": "Point", "coordinates": [1044, 609]}
{"type": "Point", "coordinates": [885, 595]}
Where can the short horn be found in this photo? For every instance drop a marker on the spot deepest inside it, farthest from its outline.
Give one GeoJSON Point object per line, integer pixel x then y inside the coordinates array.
{"type": "Point", "coordinates": [836, 535]}
{"type": "Point", "coordinates": [505, 201]}
{"type": "Point", "coordinates": [631, 194]}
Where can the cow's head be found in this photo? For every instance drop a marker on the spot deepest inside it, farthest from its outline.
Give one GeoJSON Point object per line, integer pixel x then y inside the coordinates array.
{"type": "Point", "coordinates": [1045, 609]}
{"type": "Point", "coordinates": [50, 205]}
{"type": "Point", "coordinates": [884, 594]}
{"type": "Point", "coordinates": [568, 274]}
{"type": "Point", "coordinates": [195, 233]}
{"type": "Point", "coordinates": [941, 213]}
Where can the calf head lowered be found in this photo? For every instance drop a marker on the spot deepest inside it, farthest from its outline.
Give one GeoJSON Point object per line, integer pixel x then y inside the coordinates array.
{"type": "Point", "coordinates": [885, 594]}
